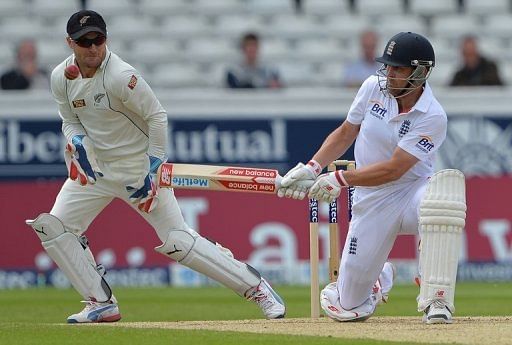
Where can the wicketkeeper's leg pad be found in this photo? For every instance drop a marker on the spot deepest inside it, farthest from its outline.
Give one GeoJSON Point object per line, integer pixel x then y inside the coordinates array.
{"type": "Point", "coordinates": [72, 256]}
{"type": "Point", "coordinates": [442, 218]}
{"type": "Point", "coordinates": [203, 256]}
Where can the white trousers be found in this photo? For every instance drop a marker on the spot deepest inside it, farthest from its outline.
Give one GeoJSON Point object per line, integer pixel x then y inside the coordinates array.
{"type": "Point", "coordinates": [378, 216]}
{"type": "Point", "coordinates": [77, 206]}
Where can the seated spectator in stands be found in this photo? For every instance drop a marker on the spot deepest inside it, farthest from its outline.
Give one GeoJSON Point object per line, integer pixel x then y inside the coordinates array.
{"type": "Point", "coordinates": [26, 74]}
{"type": "Point", "coordinates": [250, 72]}
{"type": "Point", "coordinates": [357, 71]}
{"type": "Point", "coordinates": [477, 70]}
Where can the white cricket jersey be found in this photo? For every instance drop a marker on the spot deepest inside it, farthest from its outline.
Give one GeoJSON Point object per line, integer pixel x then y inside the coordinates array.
{"type": "Point", "coordinates": [420, 132]}
{"type": "Point", "coordinates": [116, 108]}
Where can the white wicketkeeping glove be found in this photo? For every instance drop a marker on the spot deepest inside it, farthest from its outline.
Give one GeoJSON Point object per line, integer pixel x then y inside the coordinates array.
{"type": "Point", "coordinates": [296, 183]}
{"type": "Point", "coordinates": [328, 186]}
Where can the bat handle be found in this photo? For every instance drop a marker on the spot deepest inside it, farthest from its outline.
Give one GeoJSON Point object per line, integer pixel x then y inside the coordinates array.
{"type": "Point", "coordinates": [277, 182]}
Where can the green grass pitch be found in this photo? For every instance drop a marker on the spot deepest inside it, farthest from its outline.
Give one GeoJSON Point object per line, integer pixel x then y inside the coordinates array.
{"type": "Point", "coordinates": [37, 316]}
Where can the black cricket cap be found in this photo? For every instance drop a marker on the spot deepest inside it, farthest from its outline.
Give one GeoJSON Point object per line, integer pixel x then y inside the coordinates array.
{"type": "Point", "coordinates": [85, 21]}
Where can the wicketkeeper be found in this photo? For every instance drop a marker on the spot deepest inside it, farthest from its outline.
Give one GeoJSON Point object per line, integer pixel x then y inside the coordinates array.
{"type": "Point", "coordinates": [398, 126]}
{"type": "Point", "coordinates": [117, 138]}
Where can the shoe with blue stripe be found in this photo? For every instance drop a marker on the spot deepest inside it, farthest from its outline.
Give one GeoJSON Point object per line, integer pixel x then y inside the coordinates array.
{"type": "Point", "coordinates": [96, 312]}
{"type": "Point", "coordinates": [268, 300]}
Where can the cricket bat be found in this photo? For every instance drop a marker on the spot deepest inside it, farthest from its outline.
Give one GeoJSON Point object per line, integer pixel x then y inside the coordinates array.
{"type": "Point", "coordinates": [220, 178]}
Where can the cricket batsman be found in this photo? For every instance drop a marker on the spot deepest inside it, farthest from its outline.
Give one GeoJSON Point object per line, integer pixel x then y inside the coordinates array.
{"type": "Point", "coordinates": [117, 138]}
{"type": "Point", "coordinates": [398, 126]}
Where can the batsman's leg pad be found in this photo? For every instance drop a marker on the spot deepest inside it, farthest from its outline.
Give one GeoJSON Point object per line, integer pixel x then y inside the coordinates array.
{"type": "Point", "coordinates": [442, 218]}
{"type": "Point", "coordinates": [203, 256]}
{"type": "Point", "coordinates": [72, 256]}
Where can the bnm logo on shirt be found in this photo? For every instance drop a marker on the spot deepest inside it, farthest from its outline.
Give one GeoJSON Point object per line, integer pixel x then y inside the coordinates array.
{"type": "Point", "coordinates": [378, 110]}
{"type": "Point", "coordinates": [425, 144]}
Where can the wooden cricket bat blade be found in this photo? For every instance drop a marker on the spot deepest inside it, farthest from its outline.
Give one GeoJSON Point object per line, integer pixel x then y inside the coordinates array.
{"type": "Point", "coordinates": [220, 178]}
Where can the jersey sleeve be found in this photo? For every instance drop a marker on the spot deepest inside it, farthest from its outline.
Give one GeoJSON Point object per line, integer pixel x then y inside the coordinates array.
{"type": "Point", "coordinates": [138, 97]}
{"type": "Point", "coordinates": [71, 124]}
{"type": "Point", "coordinates": [358, 107]}
{"type": "Point", "coordinates": [425, 138]}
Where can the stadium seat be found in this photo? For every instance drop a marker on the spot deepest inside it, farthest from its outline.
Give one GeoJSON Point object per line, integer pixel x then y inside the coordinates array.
{"type": "Point", "coordinates": [219, 7]}
{"type": "Point", "coordinates": [54, 9]}
{"type": "Point", "coordinates": [129, 27]}
{"type": "Point", "coordinates": [165, 8]}
{"type": "Point", "coordinates": [113, 8]}
{"type": "Point", "coordinates": [379, 7]}
{"type": "Point", "coordinates": [233, 27]}
{"type": "Point", "coordinates": [14, 29]}
{"type": "Point", "coordinates": [294, 27]}
{"type": "Point", "coordinates": [330, 74]}
{"type": "Point", "coordinates": [326, 7]}
{"type": "Point", "coordinates": [154, 51]}
{"type": "Point", "coordinates": [498, 26]}
{"type": "Point", "coordinates": [318, 50]}
{"type": "Point", "coordinates": [433, 7]}
{"type": "Point", "coordinates": [51, 52]}
{"type": "Point", "coordinates": [486, 7]}
{"type": "Point", "coordinates": [275, 49]}
{"type": "Point", "coordinates": [442, 74]}
{"type": "Point", "coordinates": [455, 26]}
{"type": "Point", "coordinates": [185, 27]}
{"type": "Point", "coordinates": [346, 27]}
{"type": "Point", "coordinates": [270, 7]}
{"type": "Point", "coordinates": [297, 74]}
{"type": "Point", "coordinates": [176, 76]}
{"type": "Point", "coordinates": [390, 25]}
{"type": "Point", "coordinates": [14, 8]}
{"type": "Point", "coordinates": [208, 50]}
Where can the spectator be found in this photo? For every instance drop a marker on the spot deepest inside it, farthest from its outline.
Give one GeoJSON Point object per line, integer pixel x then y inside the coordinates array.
{"type": "Point", "coordinates": [26, 74]}
{"type": "Point", "coordinates": [477, 69]}
{"type": "Point", "coordinates": [250, 72]}
{"type": "Point", "coordinates": [365, 66]}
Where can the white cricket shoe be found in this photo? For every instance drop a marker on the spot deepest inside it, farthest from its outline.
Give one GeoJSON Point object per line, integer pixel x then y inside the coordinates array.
{"type": "Point", "coordinates": [330, 303]}
{"type": "Point", "coordinates": [268, 300]}
{"type": "Point", "coordinates": [97, 312]}
{"type": "Point", "coordinates": [437, 312]}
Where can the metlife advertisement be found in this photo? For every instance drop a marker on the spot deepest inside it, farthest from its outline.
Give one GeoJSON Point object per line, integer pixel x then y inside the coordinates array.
{"type": "Point", "coordinates": [270, 233]}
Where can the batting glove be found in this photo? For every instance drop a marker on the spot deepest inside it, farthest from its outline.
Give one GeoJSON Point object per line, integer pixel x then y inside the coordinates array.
{"type": "Point", "coordinates": [81, 160]}
{"type": "Point", "coordinates": [145, 194]}
{"type": "Point", "coordinates": [328, 186]}
{"type": "Point", "coordinates": [296, 183]}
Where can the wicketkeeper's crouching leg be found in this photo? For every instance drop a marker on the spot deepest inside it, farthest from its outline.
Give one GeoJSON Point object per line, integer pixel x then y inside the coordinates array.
{"type": "Point", "coordinates": [190, 249]}
{"type": "Point", "coordinates": [74, 258]}
{"type": "Point", "coordinates": [442, 218]}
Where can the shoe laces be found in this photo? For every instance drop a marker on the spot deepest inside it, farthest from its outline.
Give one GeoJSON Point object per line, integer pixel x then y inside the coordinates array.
{"type": "Point", "coordinates": [92, 304]}
{"type": "Point", "coordinates": [438, 304]}
{"type": "Point", "coordinates": [261, 298]}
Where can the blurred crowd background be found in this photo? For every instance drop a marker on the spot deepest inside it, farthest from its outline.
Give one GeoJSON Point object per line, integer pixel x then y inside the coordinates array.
{"type": "Point", "coordinates": [299, 43]}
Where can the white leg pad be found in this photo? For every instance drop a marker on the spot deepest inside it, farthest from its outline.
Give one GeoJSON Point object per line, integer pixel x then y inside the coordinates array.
{"type": "Point", "coordinates": [71, 257]}
{"type": "Point", "coordinates": [203, 256]}
{"type": "Point", "coordinates": [442, 218]}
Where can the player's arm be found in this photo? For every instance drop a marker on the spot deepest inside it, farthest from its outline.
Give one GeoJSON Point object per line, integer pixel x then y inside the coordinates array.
{"type": "Point", "coordinates": [137, 96]}
{"type": "Point", "coordinates": [337, 143]}
{"type": "Point", "coordinates": [71, 125]}
{"type": "Point", "coordinates": [383, 172]}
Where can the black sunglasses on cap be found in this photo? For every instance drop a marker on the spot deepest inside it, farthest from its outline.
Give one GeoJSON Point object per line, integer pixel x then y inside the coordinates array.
{"type": "Point", "coordinates": [88, 42]}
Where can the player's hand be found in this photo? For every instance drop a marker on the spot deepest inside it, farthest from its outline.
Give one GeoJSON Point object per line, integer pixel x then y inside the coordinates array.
{"type": "Point", "coordinates": [81, 160]}
{"type": "Point", "coordinates": [296, 183]}
{"type": "Point", "coordinates": [328, 186]}
{"type": "Point", "coordinates": [145, 193]}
